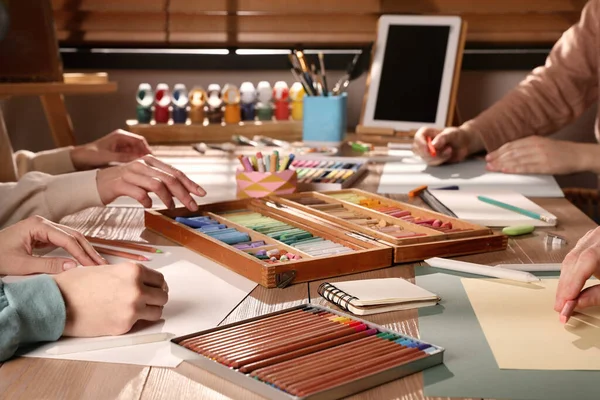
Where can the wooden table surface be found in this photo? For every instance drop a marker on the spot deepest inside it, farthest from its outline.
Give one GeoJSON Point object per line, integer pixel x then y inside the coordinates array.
{"type": "Point", "coordinates": [30, 378]}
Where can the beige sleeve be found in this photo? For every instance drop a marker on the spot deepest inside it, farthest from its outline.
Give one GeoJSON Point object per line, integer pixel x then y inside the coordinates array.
{"type": "Point", "coordinates": [52, 197]}
{"type": "Point", "coordinates": [53, 162]}
{"type": "Point", "coordinates": [552, 95]}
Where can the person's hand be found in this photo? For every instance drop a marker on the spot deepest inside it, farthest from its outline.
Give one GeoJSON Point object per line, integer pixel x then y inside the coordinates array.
{"type": "Point", "coordinates": [578, 266]}
{"type": "Point", "coordinates": [148, 174]}
{"type": "Point", "coordinates": [451, 145]}
{"type": "Point", "coordinates": [110, 299]}
{"type": "Point", "coordinates": [118, 146]}
{"type": "Point", "coordinates": [18, 241]}
{"type": "Point", "coordinates": [538, 155]}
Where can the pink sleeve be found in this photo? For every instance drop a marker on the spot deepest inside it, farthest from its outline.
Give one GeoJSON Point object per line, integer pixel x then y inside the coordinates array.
{"type": "Point", "coordinates": [552, 95]}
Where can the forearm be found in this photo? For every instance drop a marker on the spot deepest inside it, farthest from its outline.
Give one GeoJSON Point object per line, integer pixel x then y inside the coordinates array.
{"type": "Point", "coordinates": [53, 162]}
{"type": "Point", "coordinates": [31, 310]}
{"type": "Point", "coordinates": [587, 157]}
{"type": "Point", "coordinates": [552, 95]}
{"type": "Point", "coordinates": [51, 197]}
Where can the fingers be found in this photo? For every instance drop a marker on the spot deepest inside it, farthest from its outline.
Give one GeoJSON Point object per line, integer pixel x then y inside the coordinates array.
{"type": "Point", "coordinates": [420, 146]}
{"type": "Point", "coordinates": [86, 245]}
{"type": "Point", "coordinates": [150, 313]}
{"type": "Point", "coordinates": [122, 188]}
{"type": "Point", "coordinates": [589, 297]}
{"type": "Point", "coordinates": [155, 296]}
{"type": "Point", "coordinates": [152, 278]}
{"type": "Point", "coordinates": [130, 142]}
{"type": "Point", "coordinates": [573, 277]}
{"type": "Point", "coordinates": [171, 185]}
{"type": "Point", "coordinates": [43, 265]}
{"type": "Point", "coordinates": [150, 184]}
{"type": "Point", "coordinates": [191, 186]}
{"type": "Point", "coordinates": [72, 241]}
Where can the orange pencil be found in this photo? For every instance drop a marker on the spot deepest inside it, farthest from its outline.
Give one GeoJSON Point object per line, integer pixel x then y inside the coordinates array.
{"type": "Point", "coordinates": [430, 147]}
{"type": "Point", "coordinates": [125, 245]}
{"type": "Point", "coordinates": [119, 253]}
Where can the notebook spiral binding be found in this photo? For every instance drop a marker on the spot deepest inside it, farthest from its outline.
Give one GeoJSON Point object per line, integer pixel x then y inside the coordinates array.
{"type": "Point", "coordinates": [335, 295]}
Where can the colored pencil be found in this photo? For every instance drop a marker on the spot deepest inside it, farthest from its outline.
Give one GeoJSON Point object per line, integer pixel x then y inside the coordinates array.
{"type": "Point", "coordinates": [119, 253]}
{"type": "Point", "coordinates": [125, 245]}
{"type": "Point", "coordinates": [531, 214]}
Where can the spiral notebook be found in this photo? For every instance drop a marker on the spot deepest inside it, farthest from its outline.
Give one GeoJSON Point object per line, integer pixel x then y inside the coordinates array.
{"type": "Point", "coordinates": [373, 296]}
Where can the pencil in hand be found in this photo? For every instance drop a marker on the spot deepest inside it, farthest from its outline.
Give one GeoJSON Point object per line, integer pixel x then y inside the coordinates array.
{"type": "Point", "coordinates": [125, 245]}
{"type": "Point", "coordinates": [119, 253]}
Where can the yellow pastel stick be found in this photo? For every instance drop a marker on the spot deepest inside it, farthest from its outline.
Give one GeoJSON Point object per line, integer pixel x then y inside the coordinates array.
{"type": "Point", "coordinates": [283, 163]}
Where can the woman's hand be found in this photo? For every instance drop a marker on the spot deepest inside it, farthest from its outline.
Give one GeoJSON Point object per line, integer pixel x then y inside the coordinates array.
{"type": "Point", "coordinates": [118, 146]}
{"type": "Point", "coordinates": [541, 155]}
{"type": "Point", "coordinates": [451, 145]}
{"type": "Point", "coordinates": [148, 174]}
{"type": "Point", "coordinates": [18, 241]}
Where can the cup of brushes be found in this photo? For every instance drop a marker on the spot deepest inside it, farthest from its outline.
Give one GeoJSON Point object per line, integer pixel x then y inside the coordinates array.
{"type": "Point", "coordinates": [265, 175]}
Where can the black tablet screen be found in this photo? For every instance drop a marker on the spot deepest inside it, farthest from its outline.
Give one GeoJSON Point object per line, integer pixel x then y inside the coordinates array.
{"type": "Point", "coordinates": [411, 75]}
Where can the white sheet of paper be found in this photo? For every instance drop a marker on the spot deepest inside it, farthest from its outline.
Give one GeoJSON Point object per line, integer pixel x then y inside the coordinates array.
{"type": "Point", "coordinates": [523, 330]}
{"type": "Point", "coordinates": [216, 176]}
{"type": "Point", "coordinates": [201, 294]}
{"type": "Point", "coordinates": [466, 206]}
{"type": "Point", "coordinates": [402, 177]}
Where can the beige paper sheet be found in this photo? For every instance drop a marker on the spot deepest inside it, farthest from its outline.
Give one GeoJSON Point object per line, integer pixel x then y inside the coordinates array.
{"type": "Point", "coordinates": [523, 330]}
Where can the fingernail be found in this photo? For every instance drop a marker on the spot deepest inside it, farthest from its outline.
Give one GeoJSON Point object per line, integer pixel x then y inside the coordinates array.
{"type": "Point", "coordinates": [200, 191]}
{"type": "Point", "coordinates": [104, 260]}
{"type": "Point", "coordinates": [166, 287]}
{"type": "Point", "coordinates": [69, 265]}
{"type": "Point", "coordinates": [193, 205]}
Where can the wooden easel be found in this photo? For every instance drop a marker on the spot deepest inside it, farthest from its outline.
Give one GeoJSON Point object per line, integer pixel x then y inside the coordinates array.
{"type": "Point", "coordinates": [44, 78]}
{"type": "Point", "coordinates": [375, 134]}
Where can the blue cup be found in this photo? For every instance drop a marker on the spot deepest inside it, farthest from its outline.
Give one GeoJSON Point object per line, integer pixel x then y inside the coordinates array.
{"type": "Point", "coordinates": [324, 118]}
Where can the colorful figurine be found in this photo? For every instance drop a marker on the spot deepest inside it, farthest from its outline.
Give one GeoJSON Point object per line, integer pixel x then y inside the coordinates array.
{"type": "Point", "coordinates": [282, 107]}
{"type": "Point", "coordinates": [296, 96]}
{"type": "Point", "coordinates": [180, 104]}
{"type": "Point", "coordinates": [248, 98]}
{"type": "Point", "coordinates": [197, 102]}
{"type": "Point", "coordinates": [264, 109]}
{"type": "Point", "coordinates": [214, 103]}
{"type": "Point", "coordinates": [145, 99]}
{"type": "Point", "coordinates": [162, 103]}
{"type": "Point", "coordinates": [231, 97]}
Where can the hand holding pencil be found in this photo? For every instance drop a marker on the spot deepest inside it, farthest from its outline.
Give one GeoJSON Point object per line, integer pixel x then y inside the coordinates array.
{"type": "Point", "coordinates": [579, 265]}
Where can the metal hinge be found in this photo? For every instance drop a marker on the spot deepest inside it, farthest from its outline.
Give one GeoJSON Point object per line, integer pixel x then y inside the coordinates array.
{"type": "Point", "coordinates": [285, 278]}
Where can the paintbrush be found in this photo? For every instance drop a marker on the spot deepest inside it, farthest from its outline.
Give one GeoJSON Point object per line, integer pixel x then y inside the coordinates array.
{"type": "Point", "coordinates": [360, 63]}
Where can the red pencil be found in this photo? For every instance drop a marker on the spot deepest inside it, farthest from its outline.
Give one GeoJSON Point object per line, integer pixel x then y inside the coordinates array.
{"type": "Point", "coordinates": [119, 253]}
{"type": "Point", "coordinates": [432, 150]}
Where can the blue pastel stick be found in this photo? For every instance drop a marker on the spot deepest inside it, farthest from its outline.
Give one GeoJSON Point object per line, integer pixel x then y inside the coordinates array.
{"type": "Point", "coordinates": [193, 223]}
{"type": "Point", "coordinates": [212, 227]}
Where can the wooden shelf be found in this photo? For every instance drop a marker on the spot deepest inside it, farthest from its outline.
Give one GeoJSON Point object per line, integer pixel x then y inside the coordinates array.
{"type": "Point", "coordinates": [214, 133]}
{"type": "Point", "coordinates": [43, 88]}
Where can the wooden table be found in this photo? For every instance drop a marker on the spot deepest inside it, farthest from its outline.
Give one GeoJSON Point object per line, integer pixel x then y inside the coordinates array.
{"type": "Point", "coordinates": [29, 378]}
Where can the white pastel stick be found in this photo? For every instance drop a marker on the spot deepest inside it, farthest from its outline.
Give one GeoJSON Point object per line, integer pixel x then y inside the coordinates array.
{"type": "Point", "coordinates": [480, 269]}
{"type": "Point", "coordinates": [109, 343]}
{"type": "Point", "coordinates": [532, 267]}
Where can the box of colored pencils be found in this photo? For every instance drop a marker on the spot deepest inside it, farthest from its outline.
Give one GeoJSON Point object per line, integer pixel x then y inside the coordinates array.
{"type": "Point", "coordinates": [332, 173]}
{"type": "Point", "coordinates": [280, 240]}
{"type": "Point", "coordinates": [306, 352]}
{"type": "Point", "coordinates": [266, 175]}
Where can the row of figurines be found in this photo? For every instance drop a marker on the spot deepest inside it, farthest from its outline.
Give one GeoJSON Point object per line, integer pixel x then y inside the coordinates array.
{"type": "Point", "coordinates": [228, 104]}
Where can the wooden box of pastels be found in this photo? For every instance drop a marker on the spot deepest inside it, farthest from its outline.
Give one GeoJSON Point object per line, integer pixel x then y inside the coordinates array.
{"type": "Point", "coordinates": [277, 241]}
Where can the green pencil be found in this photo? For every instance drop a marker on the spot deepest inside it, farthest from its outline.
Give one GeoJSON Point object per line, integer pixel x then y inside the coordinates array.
{"type": "Point", "coordinates": [530, 214]}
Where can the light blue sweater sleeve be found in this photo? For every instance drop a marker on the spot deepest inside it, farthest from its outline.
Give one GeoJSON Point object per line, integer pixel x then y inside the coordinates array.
{"type": "Point", "coordinates": [31, 310]}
